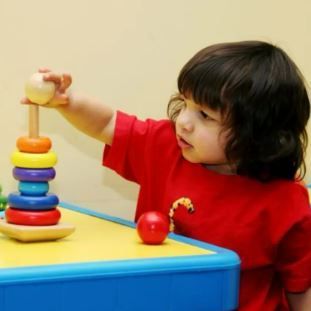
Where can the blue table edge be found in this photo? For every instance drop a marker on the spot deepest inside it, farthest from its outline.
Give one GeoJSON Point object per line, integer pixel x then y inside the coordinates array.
{"type": "Point", "coordinates": [222, 259]}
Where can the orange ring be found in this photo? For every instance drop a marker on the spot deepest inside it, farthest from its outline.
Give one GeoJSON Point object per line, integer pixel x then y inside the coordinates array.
{"type": "Point", "coordinates": [34, 144]}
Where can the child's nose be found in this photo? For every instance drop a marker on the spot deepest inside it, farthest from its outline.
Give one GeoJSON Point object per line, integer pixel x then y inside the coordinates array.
{"type": "Point", "coordinates": [185, 121]}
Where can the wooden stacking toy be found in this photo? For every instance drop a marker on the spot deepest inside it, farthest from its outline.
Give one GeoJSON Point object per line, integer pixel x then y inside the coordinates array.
{"type": "Point", "coordinates": [33, 213]}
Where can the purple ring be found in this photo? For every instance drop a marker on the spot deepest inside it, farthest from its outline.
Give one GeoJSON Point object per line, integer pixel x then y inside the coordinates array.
{"type": "Point", "coordinates": [34, 174]}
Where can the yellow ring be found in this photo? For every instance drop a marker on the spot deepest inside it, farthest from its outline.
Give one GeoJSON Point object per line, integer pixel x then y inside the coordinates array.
{"type": "Point", "coordinates": [34, 160]}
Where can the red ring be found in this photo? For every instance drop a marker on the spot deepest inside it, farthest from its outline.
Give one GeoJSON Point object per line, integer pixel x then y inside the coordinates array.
{"type": "Point", "coordinates": [32, 218]}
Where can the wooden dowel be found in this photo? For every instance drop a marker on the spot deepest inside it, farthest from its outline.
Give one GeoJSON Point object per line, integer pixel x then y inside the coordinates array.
{"type": "Point", "coordinates": [33, 122]}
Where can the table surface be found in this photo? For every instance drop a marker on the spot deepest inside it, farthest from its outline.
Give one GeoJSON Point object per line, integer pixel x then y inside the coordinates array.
{"type": "Point", "coordinates": [95, 239]}
{"type": "Point", "coordinates": [98, 237]}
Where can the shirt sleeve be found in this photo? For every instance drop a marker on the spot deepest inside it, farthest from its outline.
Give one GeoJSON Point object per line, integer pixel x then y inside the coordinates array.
{"type": "Point", "coordinates": [134, 142]}
{"type": "Point", "coordinates": [115, 156]}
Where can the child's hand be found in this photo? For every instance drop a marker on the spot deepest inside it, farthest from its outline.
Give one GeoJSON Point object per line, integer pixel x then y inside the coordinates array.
{"type": "Point", "coordinates": [62, 83]}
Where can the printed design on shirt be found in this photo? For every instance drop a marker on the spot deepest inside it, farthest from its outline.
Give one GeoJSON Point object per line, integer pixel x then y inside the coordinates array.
{"type": "Point", "coordinates": [183, 201]}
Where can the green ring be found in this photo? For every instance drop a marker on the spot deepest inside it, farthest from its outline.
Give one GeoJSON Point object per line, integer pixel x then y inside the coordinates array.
{"type": "Point", "coordinates": [3, 202]}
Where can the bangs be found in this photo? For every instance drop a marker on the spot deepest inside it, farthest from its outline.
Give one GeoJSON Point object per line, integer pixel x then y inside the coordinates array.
{"type": "Point", "coordinates": [214, 73]}
{"type": "Point", "coordinates": [203, 84]}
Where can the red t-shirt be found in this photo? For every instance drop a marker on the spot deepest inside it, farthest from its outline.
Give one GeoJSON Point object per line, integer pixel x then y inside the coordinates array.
{"type": "Point", "coordinates": [267, 224]}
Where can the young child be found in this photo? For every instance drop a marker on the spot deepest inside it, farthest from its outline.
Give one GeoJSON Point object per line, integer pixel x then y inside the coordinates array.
{"type": "Point", "coordinates": [229, 160]}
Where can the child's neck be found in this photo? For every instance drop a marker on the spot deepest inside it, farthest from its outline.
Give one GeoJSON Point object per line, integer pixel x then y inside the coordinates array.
{"type": "Point", "coordinates": [225, 169]}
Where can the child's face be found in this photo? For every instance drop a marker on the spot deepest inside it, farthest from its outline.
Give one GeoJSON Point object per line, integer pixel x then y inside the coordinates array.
{"type": "Point", "coordinates": [199, 134]}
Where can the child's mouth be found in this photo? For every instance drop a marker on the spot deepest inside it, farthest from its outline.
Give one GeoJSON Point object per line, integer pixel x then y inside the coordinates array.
{"type": "Point", "coordinates": [182, 143]}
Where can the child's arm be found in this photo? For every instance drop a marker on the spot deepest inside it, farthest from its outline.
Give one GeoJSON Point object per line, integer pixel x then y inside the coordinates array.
{"type": "Point", "coordinates": [90, 116]}
{"type": "Point", "coordinates": [300, 301]}
{"type": "Point", "coordinates": [87, 114]}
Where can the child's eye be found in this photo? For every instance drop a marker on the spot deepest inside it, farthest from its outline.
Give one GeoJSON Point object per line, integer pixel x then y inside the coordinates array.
{"type": "Point", "coordinates": [204, 115]}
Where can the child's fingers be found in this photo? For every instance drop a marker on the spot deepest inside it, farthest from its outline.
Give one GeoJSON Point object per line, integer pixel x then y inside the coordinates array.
{"type": "Point", "coordinates": [44, 70]}
{"type": "Point", "coordinates": [25, 101]}
{"type": "Point", "coordinates": [62, 81]}
{"type": "Point", "coordinates": [53, 77]}
{"type": "Point", "coordinates": [65, 82]}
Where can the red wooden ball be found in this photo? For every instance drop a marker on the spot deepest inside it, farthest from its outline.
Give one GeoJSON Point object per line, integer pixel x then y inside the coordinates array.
{"type": "Point", "coordinates": [153, 227]}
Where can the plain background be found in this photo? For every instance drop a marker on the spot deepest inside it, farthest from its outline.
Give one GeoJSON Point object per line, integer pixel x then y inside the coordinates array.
{"type": "Point", "coordinates": [127, 53]}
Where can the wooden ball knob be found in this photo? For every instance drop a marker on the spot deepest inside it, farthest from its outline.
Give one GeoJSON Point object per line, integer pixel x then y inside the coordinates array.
{"type": "Point", "coordinates": [39, 91]}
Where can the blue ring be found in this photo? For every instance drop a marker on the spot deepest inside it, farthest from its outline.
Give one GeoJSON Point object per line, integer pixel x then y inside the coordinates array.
{"type": "Point", "coordinates": [23, 202]}
{"type": "Point", "coordinates": [34, 174]}
{"type": "Point", "coordinates": [30, 188]}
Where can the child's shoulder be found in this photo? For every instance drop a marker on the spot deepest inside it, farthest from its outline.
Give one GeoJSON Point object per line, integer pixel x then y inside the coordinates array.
{"type": "Point", "coordinates": [281, 193]}
{"type": "Point", "coordinates": [289, 194]}
{"type": "Point", "coordinates": [284, 202]}
{"type": "Point", "coordinates": [290, 187]}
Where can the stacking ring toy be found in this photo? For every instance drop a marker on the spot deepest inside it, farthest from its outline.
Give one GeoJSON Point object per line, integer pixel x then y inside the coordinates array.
{"type": "Point", "coordinates": [28, 174]}
{"type": "Point", "coordinates": [34, 160]}
{"type": "Point", "coordinates": [26, 202]}
{"type": "Point", "coordinates": [34, 144]}
{"type": "Point", "coordinates": [31, 218]}
{"type": "Point", "coordinates": [33, 188]}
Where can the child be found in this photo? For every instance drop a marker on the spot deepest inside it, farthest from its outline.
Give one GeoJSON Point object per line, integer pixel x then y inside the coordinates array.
{"type": "Point", "coordinates": [231, 157]}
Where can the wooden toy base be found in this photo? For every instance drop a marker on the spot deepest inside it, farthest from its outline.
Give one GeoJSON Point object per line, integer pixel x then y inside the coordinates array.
{"type": "Point", "coordinates": [36, 233]}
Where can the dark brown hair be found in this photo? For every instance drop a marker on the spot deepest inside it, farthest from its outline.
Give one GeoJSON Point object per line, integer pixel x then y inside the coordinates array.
{"type": "Point", "coordinates": [262, 96]}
